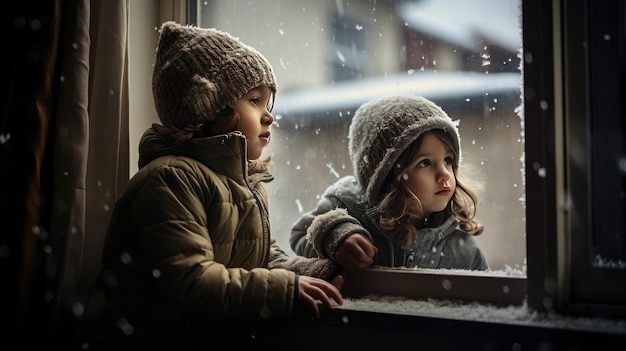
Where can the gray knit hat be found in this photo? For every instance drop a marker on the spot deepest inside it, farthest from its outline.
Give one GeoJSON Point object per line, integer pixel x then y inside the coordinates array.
{"type": "Point", "coordinates": [383, 128]}
{"type": "Point", "coordinates": [198, 72]}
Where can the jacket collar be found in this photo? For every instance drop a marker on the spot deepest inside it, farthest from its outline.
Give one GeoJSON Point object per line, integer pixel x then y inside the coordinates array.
{"type": "Point", "coordinates": [224, 153]}
{"type": "Point", "coordinates": [437, 233]}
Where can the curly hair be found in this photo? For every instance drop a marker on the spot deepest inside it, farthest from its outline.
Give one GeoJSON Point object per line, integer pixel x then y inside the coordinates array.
{"type": "Point", "coordinates": [399, 214]}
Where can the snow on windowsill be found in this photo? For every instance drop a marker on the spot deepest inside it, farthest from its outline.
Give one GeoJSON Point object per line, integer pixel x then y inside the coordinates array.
{"type": "Point", "coordinates": [472, 311]}
{"type": "Point", "coordinates": [481, 312]}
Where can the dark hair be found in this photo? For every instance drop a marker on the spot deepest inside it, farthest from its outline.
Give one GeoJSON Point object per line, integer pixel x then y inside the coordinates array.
{"type": "Point", "coordinates": [399, 214]}
{"type": "Point", "coordinates": [221, 124]}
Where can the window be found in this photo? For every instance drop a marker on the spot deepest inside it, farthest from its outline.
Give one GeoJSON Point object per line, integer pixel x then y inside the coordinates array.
{"type": "Point", "coordinates": [376, 48]}
{"type": "Point", "coordinates": [549, 142]}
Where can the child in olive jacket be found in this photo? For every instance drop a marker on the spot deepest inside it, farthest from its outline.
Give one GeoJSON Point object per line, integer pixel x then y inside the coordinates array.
{"type": "Point", "coordinates": [189, 248]}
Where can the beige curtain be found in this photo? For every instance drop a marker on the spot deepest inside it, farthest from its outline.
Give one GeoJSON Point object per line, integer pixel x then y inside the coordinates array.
{"type": "Point", "coordinates": [64, 152]}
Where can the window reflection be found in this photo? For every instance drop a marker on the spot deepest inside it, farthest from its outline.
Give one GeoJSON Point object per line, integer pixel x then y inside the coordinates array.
{"type": "Point", "coordinates": [331, 56]}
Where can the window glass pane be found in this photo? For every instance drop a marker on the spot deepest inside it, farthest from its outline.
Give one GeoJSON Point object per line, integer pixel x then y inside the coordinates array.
{"type": "Point", "coordinates": [331, 56]}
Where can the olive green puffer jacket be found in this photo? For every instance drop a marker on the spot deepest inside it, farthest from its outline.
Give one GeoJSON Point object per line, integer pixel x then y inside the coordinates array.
{"type": "Point", "coordinates": [189, 241]}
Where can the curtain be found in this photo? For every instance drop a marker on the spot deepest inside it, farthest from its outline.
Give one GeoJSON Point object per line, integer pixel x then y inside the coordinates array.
{"type": "Point", "coordinates": [64, 158]}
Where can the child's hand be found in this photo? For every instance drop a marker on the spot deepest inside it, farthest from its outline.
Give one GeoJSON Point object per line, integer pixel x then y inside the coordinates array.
{"type": "Point", "coordinates": [315, 289]}
{"type": "Point", "coordinates": [355, 253]}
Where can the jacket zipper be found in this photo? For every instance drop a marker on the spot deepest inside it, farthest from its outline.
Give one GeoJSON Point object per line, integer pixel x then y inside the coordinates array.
{"type": "Point", "coordinates": [263, 211]}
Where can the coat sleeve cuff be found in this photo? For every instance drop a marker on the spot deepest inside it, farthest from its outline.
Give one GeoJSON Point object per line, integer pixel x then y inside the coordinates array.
{"type": "Point", "coordinates": [328, 230]}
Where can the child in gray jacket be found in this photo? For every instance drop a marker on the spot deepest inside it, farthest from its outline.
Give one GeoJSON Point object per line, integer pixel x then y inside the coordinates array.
{"type": "Point", "coordinates": [405, 206]}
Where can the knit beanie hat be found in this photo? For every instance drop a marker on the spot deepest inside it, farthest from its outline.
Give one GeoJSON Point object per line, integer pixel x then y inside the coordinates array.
{"type": "Point", "coordinates": [198, 72]}
{"type": "Point", "coordinates": [383, 128]}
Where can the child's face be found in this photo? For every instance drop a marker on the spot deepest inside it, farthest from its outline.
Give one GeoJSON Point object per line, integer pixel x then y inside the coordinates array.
{"type": "Point", "coordinates": [430, 175]}
{"type": "Point", "coordinates": [255, 119]}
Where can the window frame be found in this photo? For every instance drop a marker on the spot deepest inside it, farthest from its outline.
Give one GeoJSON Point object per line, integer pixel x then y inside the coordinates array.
{"type": "Point", "coordinates": [555, 99]}
{"type": "Point", "coordinates": [561, 273]}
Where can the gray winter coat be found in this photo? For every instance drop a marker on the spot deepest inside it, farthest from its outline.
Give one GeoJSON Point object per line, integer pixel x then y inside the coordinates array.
{"type": "Point", "coordinates": [341, 211]}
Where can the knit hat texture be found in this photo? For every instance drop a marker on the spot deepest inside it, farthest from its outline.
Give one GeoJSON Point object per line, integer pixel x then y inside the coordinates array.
{"type": "Point", "coordinates": [383, 128]}
{"type": "Point", "coordinates": [198, 72]}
